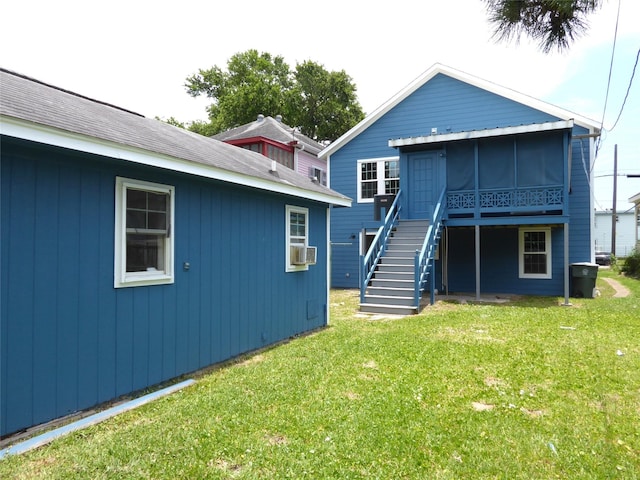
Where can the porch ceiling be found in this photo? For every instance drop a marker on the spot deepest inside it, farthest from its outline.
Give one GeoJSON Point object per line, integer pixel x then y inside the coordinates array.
{"type": "Point", "coordinates": [492, 132]}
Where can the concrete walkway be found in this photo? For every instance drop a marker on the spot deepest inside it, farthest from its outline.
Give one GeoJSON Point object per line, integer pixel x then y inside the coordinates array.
{"type": "Point", "coordinates": [621, 290]}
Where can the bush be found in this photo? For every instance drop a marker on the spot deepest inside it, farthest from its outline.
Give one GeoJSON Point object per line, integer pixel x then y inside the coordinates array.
{"type": "Point", "coordinates": [631, 265]}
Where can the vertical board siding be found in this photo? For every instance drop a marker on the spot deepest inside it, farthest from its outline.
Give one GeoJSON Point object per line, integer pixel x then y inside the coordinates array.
{"type": "Point", "coordinates": [70, 340]}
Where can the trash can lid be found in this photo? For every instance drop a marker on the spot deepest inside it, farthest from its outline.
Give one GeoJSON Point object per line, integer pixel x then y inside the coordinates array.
{"type": "Point", "coordinates": [585, 264]}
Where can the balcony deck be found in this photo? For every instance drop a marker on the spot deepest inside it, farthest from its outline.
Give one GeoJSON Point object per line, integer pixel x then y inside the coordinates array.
{"type": "Point", "coordinates": [506, 203]}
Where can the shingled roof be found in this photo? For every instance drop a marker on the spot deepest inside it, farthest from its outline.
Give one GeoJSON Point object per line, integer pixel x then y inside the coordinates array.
{"type": "Point", "coordinates": [33, 110]}
{"type": "Point", "coordinates": [273, 129]}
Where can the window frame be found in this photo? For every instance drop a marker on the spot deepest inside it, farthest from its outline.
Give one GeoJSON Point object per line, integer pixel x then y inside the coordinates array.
{"type": "Point", "coordinates": [380, 179]}
{"type": "Point", "coordinates": [289, 267]}
{"type": "Point", "coordinates": [547, 252]}
{"type": "Point", "coordinates": [122, 278]}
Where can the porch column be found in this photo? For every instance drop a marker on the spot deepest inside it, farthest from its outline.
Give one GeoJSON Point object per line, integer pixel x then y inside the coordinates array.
{"type": "Point", "coordinates": [477, 262]}
{"type": "Point", "coordinates": [566, 265]}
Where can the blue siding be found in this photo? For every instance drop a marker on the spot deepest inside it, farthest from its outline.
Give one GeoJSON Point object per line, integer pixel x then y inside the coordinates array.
{"type": "Point", "coordinates": [70, 340]}
{"type": "Point", "coordinates": [499, 262]}
{"type": "Point", "coordinates": [580, 208]}
{"type": "Point", "coordinates": [453, 106]}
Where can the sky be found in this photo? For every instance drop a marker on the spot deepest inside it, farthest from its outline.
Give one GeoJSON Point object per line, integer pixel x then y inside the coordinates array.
{"type": "Point", "coordinates": [136, 54]}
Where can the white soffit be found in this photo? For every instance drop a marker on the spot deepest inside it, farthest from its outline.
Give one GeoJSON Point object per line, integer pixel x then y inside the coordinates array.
{"type": "Point", "coordinates": [473, 134]}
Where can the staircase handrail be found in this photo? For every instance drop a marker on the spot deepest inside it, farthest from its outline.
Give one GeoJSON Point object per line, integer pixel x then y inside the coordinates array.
{"type": "Point", "coordinates": [424, 256]}
{"type": "Point", "coordinates": [369, 262]}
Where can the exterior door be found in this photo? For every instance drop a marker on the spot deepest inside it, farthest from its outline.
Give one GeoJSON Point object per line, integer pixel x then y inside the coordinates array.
{"type": "Point", "coordinates": [427, 177]}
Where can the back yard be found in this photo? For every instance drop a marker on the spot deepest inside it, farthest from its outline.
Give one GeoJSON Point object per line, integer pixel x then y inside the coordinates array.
{"type": "Point", "coordinates": [527, 389]}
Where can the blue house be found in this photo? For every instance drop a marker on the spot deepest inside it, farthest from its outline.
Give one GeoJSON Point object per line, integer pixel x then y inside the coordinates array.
{"type": "Point", "coordinates": [134, 252]}
{"type": "Point", "coordinates": [461, 185]}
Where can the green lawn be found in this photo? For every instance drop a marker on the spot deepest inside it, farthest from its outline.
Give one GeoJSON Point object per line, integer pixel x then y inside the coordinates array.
{"type": "Point", "coordinates": [529, 390]}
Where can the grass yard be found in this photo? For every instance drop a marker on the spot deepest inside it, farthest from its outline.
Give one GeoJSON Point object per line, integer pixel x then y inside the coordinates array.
{"type": "Point", "coordinates": [528, 390]}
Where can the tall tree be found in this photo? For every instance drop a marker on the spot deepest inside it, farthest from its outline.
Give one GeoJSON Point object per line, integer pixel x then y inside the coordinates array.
{"type": "Point", "coordinates": [555, 24]}
{"type": "Point", "coordinates": [253, 83]}
{"type": "Point", "coordinates": [322, 104]}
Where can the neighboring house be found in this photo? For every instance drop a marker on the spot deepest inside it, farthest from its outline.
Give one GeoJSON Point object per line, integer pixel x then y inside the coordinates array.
{"type": "Point", "coordinates": [487, 184]}
{"type": "Point", "coordinates": [625, 232]}
{"type": "Point", "coordinates": [134, 252]}
{"type": "Point", "coordinates": [636, 202]}
{"type": "Point", "coordinates": [273, 139]}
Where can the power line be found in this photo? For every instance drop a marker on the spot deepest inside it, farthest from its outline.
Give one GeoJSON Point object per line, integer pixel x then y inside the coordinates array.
{"type": "Point", "coordinates": [613, 52]}
{"type": "Point", "coordinates": [628, 90]}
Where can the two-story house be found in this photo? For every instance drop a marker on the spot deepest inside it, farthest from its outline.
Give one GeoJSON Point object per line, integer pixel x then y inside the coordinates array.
{"type": "Point", "coordinates": [461, 185]}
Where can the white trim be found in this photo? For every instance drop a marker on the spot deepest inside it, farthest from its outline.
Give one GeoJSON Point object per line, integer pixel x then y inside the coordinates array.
{"type": "Point", "coordinates": [380, 188]}
{"type": "Point", "coordinates": [327, 310]}
{"type": "Point", "coordinates": [122, 278]}
{"type": "Point", "coordinates": [61, 138]}
{"type": "Point", "coordinates": [51, 435]}
{"type": "Point", "coordinates": [434, 70]}
{"type": "Point", "coordinates": [493, 132]}
{"type": "Point", "coordinates": [288, 266]}
{"type": "Point", "coordinates": [521, 252]}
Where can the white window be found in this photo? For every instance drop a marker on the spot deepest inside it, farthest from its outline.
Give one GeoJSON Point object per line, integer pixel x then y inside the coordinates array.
{"type": "Point", "coordinates": [534, 252]}
{"type": "Point", "coordinates": [297, 235]}
{"type": "Point", "coordinates": [378, 176]}
{"type": "Point", "coordinates": [143, 236]}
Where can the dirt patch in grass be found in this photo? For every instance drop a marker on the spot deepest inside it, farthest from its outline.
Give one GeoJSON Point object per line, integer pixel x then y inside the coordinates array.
{"type": "Point", "coordinates": [532, 413]}
{"type": "Point", "coordinates": [494, 382]}
{"type": "Point", "coordinates": [482, 407]}
{"type": "Point", "coordinates": [252, 360]}
{"type": "Point", "coordinates": [229, 468]}
{"type": "Point", "coordinates": [353, 396]}
{"type": "Point", "coordinates": [275, 440]}
{"type": "Point", "coordinates": [370, 364]}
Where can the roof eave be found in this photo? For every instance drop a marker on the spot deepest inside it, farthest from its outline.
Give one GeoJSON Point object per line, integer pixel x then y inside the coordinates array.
{"type": "Point", "coordinates": [434, 70]}
{"type": "Point", "coordinates": [39, 133]}
{"type": "Point", "coordinates": [475, 134]}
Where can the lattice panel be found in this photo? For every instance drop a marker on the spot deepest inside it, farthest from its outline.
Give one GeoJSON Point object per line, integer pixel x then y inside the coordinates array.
{"type": "Point", "coordinates": [506, 199]}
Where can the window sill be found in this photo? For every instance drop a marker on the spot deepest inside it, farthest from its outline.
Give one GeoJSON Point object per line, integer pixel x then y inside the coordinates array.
{"type": "Point", "coordinates": [143, 280]}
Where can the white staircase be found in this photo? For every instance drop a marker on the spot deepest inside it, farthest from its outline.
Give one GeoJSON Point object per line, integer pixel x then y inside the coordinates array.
{"type": "Point", "coordinates": [391, 288]}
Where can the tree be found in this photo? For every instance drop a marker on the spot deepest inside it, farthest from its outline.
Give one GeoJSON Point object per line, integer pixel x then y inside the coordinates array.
{"type": "Point", "coordinates": [322, 104]}
{"type": "Point", "coordinates": [553, 23]}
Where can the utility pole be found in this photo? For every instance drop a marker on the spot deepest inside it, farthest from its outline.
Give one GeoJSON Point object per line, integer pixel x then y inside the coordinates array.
{"type": "Point", "coordinates": [614, 215]}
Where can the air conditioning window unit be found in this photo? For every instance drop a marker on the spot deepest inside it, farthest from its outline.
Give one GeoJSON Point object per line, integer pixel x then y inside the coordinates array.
{"type": "Point", "coordinates": [318, 175]}
{"type": "Point", "coordinates": [310, 255]}
{"type": "Point", "coordinates": [301, 255]}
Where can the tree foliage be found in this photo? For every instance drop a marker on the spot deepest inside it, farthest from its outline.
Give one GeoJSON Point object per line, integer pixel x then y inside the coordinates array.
{"type": "Point", "coordinates": [322, 104]}
{"type": "Point", "coordinates": [555, 24]}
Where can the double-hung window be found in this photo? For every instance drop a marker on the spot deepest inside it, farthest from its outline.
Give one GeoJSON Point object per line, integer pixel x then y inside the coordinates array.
{"type": "Point", "coordinates": [378, 176]}
{"type": "Point", "coordinates": [143, 237]}
{"type": "Point", "coordinates": [297, 235]}
{"type": "Point", "coordinates": [534, 252]}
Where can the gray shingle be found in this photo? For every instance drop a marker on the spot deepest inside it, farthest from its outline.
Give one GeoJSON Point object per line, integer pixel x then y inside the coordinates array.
{"type": "Point", "coordinates": [27, 99]}
{"type": "Point", "coordinates": [270, 128]}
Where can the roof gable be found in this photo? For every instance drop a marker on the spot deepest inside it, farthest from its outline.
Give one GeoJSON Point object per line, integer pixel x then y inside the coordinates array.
{"type": "Point", "coordinates": [439, 69]}
{"type": "Point", "coordinates": [35, 111]}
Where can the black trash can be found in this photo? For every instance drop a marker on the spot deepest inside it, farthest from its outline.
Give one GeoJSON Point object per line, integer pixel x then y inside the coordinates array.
{"type": "Point", "coordinates": [583, 279]}
{"type": "Point", "coordinates": [381, 201]}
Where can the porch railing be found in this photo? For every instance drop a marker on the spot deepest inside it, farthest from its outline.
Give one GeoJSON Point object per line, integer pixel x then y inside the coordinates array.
{"type": "Point", "coordinates": [424, 261]}
{"type": "Point", "coordinates": [521, 199]}
{"type": "Point", "coordinates": [369, 262]}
